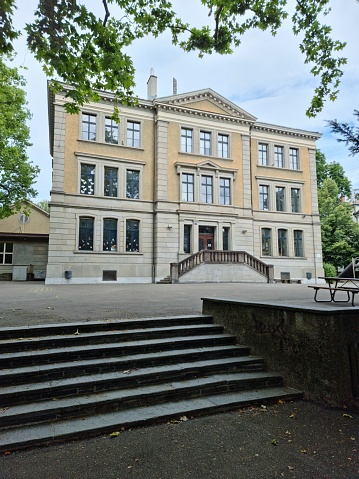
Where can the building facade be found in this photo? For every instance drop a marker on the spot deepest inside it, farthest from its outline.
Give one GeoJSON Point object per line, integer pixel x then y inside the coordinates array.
{"type": "Point", "coordinates": [174, 176]}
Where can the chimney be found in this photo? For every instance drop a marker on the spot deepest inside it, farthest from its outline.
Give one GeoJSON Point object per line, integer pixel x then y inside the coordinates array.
{"type": "Point", "coordinates": [152, 86]}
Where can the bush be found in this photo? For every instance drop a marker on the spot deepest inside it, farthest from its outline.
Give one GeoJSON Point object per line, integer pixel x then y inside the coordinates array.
{"type": "Point", "coordinates": [329, 269]}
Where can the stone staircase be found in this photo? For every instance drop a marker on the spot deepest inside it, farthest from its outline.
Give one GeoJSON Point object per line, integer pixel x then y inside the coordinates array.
{"type": "Point", "coordinates": [72, 380]}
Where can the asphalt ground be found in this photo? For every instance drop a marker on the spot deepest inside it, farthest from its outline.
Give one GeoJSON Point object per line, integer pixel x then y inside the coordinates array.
{"type": "Point", "coordinates": [298, 440]}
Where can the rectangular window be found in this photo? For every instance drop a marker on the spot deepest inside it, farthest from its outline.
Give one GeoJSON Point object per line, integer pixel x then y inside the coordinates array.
{"type": "Point", "coordinates": [187, 238]}
{"type": "Point", "coordinates": [111, 131]}
{"type": "Point", "coordinates": [133, 184]}
{"type": "Point", "coordinates": [279, 156]}
{"type": "Point", "coordinates": [110, 182]}
{"type": "Point", "coordinates": [264, 197]}
{"type": "Point", "coordinates": [294, 158]}
{"type": "Point", "coordinates": [109, 235]}
{"type": "Point", "coordinates": [186, 140]}
{"type": "Point", "coordinates": [282, 243]}
{"type": "Point", "coordinates": [88, 127]}
{"type": "Point", "coordinates": [298, 243]}
{"type": "Point", "coordinates": [132, 236]}
{"type": "Point", "coordinates": [187, 187]}
{"type": "Point", "coordinates": [225, 237]}
{"type": "Point", "coordinates": [266, 242]}
{"type": "Point", "coordinates": [87, 186]}
{"type": "Point", "coordinates": [223, 150]}
{"type": "Point", "coordinates": [206, 189]}
{"type": "Point", "coordinates": [263, 158]}
{"type": "Point", "coordinates": [86, 234]}
{"type": "Point", "coordinates": [205, 143]}
{"type": "Point", "coordinates": [225, 191]}
{"type": "Point", "coordinates": [6, 251]}
{"type": "Point", "coordinates": [133, 134]}
{"type": "Point", "coordinates": [295, 199]}
{"type": "Point", "coordinates": [279, 198]}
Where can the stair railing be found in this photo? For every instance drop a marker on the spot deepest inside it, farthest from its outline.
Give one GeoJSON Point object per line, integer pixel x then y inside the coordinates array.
{"type": "Point", "coordinates": [221, 257]}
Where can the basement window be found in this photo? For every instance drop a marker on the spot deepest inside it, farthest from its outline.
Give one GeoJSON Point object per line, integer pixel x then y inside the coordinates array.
{"type": "Point", "coordinates": [109, 275]}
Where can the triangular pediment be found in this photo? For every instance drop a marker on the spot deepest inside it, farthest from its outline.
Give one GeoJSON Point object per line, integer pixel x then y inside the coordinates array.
{"type": "Point", "coordinates": [207, 101]}
{"type": "Point", "coordinates": [208, 164]}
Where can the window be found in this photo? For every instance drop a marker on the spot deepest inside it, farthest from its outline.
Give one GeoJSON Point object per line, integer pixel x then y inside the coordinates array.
{"type": "Point", "coordinates": [263, 197]}
{"type": "Point", "coordinates": [225, 237]}
{"type": "Point", "coordinates": [110, 184]}
{"type": "Point", "coordinates": [88, 127]}
{"type": "Point", "coordinates": [109, 235]}
{"type": "Point", "coordinates": [187, 187]}
{"type": "Point", "coordinates": [6, 250]}
{"type": "Point", "coordinates": [187, 238]}
{"type": "Point", "coordinates": [132, 236]}
{"type": "Point", "coordinates": [133, 184]}
{"type": "Point", "coordinates": [223, 146]}
{"type": "Point", "coordinates": [111, 131]}
{"type": "Point", "coordinates": [87, 186]}
{"type": "Point", "coordinates": [224, 191]}
{"type": "Point", "coordinates": [294, 158]}
{"type": "Point", "coordinates": [295, 199]}
{"type": "Point", "coordinates": [206, 189]}
{"type": "Point", "coordinates": [279, 198]}
{"type": "Point", "coordinates": [133, 134]}
{"type": "Point", "coordinates": [263, 158]}
{"type": "Point", "coordinates": [86, 234]}
{"type": "Point", "coordinates": [282, 243]}
{"type": "Point", "coordinates": [186, 140]}
{"type": "Point", "coordinates": [205, 143]}
{"type": "Point", "coordinates": [279, 156]}
{"type": "Point", "coordinates": [298, 243]}
{"type": "Point", "coordinates": [266, 242]}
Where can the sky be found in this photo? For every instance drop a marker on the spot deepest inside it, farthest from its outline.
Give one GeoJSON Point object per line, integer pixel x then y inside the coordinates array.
{"type": "Point", "coordinates": [266, 76]}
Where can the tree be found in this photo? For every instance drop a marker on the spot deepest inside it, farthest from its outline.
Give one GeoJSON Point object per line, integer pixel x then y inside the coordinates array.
{"type": "Point", "coordinates": [340, 234]}
{"type": "Point", "coordinates": [89, 53]}
{"type": "Point", "coordinates": [17, 174]}
{"type": "Point", "coordinates": [350, 135]}
{"type": "Point", "coordinates": [334, 171]}
{"type": "Point", "coordinates": [44, 205]}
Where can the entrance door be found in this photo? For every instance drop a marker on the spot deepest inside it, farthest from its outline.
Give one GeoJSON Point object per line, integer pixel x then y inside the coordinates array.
{"type": "Point", "coordinates": [206, 238]}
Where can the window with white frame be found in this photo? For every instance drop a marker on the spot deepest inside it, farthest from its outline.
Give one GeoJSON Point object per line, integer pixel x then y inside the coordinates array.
{"type": "Point", "coordinates": [133, 184]}
{"type": "Point", "coordinates": [294, 158]}
{"type": "Point", "coordinates": [224, 191]}
{"type": "Point", "coordinates": [6, 252]}
{"type": "Point", "coordinates": [187, 187]}
{"type": "Point", "coordinates": [110, 181]}
{"type": "Point", "coordinates": [206, 189]}
{"type": "Point", "coordinates": [278, 156]}
{"type": "Point", "coordinates": [295, 199]}
{"type": "Point", "coordinates": [298, 243]}
{"type": "Point", "coordinates": [263, 157]}
{"type": "Point", "coordinates": [132, 236]}
{"type": "Point", "coordinates": [264, 197]}
{"type": "Point", "coordinates": [87, 181]}
{"type": "Point", "coordinates": [266, 242]}
{"type": "Point", "coordinates": [282, 243]}
{"type": "Point", "coordinates": [133, 133]}
{"type": "Point", "coordinates": [186, 140]}
{"type": "Point", "coordinates": [86, 227]}
{"type": "Point", "coordinates": [223, 146]}
{"type": "Point", "coordinates": [205, 142]}
{"type": "Point", "coordinates": [111, 131]}
{"type": "Point", "coordinates": [88, 127]}
{"type": "Point", "coordinates": [280, 198]}
{"type": "Point", "coordinates": [109, 234]}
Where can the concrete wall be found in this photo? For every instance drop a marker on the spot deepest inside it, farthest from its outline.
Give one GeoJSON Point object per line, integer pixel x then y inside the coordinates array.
{"type": "Point", "coordinates": [315, 349]}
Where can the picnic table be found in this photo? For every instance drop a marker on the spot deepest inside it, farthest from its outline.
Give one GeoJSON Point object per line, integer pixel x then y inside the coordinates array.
{"type": "Point", "coordinates": [335, 284]}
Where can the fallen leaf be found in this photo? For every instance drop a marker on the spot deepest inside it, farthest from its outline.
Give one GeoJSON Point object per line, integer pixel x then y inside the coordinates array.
{"type": "Point", "coordinates": [293, 416]}
{"type": "Point", "coordinates": [137, 459]}
{"type": "Point", "coordinates": [291, 468]}
{"type": "Point", "coordinates": [76, 332]}
{"type": "Point", "coordinates": [303, 451]}
{"type": "Point", "coordinates": [114, 434]}
{"type": "Point", "coordinates": [275, 442]}
{"type": "Point", "coordinates": [127, 371]}
{"type": "Point", "coordinates": [183, 418]}
{"type": "Point", "coordinates": [263, 407]}
{"type": "Point", "coordinates": [348, 415]}
{"type": "Point", "coordinates": [7, 453]}
{"type": "Point", "coordinates": [280, 401]}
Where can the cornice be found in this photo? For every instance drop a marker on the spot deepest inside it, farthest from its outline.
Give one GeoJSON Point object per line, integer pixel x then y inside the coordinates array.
{"type": "Point", "coordinates": [311, 135]}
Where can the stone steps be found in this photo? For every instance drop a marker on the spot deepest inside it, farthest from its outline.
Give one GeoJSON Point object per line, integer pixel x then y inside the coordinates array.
{"type": "Point", "coordinates": [80, 379]}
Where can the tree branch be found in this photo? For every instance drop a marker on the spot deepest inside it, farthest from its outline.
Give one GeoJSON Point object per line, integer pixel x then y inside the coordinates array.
{"type": "Point", "coordinates": [107, 12]}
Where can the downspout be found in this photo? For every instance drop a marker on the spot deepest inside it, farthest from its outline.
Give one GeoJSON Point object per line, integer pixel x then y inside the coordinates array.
{"type": "Point", "coordinates": [154, 203]}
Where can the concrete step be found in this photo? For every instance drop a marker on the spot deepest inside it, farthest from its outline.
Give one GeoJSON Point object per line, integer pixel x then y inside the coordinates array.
{"type": "Point", "coordinates": [90, 404]}
{"type": "Point", "coordinates": [108, 422]}
{"type": "Point", "coordinates": [32, 392]}
{"type": "Point", "coordinates": [47, 372]}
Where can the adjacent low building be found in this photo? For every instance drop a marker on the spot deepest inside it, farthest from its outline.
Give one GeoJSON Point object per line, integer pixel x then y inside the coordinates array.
{"type": "Point", "coordinates": [175, 176]}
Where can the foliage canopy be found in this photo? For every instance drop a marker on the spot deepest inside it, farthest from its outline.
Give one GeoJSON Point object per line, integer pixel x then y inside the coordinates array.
{"type": "Point", "coordinates": [333, 170]}
{"type": "Point", "coordinates": [89, 53]}
{"type": "Point", "coordinates": [349, 134]}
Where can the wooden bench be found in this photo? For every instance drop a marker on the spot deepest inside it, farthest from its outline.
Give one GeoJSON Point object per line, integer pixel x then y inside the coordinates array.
{"type": "Point", "coordinates": [332, 291]}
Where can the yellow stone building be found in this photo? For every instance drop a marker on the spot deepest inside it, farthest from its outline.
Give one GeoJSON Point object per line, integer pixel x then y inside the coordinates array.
{"type": "Point", "coordinates": [177, 176]}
